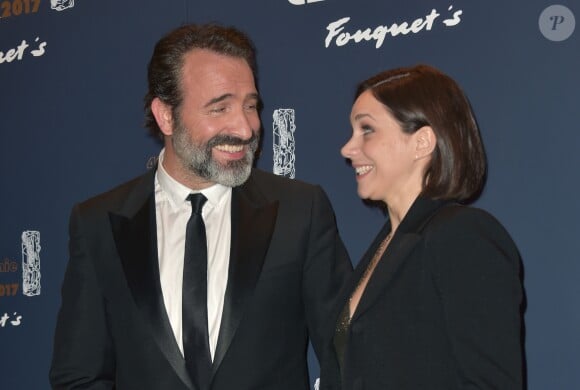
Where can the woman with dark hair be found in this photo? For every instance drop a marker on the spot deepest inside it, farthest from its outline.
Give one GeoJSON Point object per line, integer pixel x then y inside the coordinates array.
{"type": "Point", "coordinates": [436, 302]}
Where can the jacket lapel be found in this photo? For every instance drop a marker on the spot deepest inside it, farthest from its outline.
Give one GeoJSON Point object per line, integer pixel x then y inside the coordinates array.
{"type": "Point", "coordinates": [135, 234]}
{"type": "Point", "coordinates": [253, 220]}
{"type": "Point", "coordinates": [405, 239]}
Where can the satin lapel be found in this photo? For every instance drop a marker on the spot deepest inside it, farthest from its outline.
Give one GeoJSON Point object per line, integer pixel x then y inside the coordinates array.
{"type": "Point", "coordinates": [408, 235]}
{"type": "Point", "coordinates": [253, 221]}
{"type": "Point", "coordinates": [136, 241]}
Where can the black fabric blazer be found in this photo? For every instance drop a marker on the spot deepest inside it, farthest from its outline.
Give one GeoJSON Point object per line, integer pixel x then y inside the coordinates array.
{"type": "Point", "coordinates": [287, 263]}
{"type": "Point", "coordinates": [442, 310]}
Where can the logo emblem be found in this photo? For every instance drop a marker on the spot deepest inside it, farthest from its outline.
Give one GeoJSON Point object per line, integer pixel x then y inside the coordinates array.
{"type": "Point", "coordinates": [303, 2]}
{"type": "Point", "coordinates": [284, 143]}
{"type": "Point", "coordinates": [61, 5]}
{"type": "Point", "coordinates": [557, 23]}
{"type": "Point", "coordinates": [30, 263]}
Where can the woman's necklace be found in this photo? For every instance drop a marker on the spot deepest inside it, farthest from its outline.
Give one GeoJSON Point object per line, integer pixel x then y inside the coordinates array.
{"type": "Point", "coordinates": [363, 281]}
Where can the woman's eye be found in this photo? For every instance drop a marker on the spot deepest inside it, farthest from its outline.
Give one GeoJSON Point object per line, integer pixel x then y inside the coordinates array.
{"type": "Point", "coordinates": [367, 129]}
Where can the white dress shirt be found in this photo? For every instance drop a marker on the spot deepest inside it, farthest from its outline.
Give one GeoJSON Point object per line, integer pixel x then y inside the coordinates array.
{"type": "Point", "coordinates": [173, 211]}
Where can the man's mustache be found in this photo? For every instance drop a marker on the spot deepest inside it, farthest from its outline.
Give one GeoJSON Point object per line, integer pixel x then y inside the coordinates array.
{"type": "Point", "coordinates": [222, 139]}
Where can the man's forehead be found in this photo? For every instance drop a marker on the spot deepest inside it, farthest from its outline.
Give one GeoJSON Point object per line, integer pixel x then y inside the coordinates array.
{"type": "Point", "coordinates": [214, 77]}
{"type": "Point", "coordinates": [229, 96]}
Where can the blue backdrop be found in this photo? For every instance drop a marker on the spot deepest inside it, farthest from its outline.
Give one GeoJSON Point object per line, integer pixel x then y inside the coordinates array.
{"type": "Point", "coordinates": [72, 79]}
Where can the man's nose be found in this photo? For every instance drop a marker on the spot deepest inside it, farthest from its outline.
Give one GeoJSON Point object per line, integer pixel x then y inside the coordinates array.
{"type": "Point", "coordinates": [246, 124]}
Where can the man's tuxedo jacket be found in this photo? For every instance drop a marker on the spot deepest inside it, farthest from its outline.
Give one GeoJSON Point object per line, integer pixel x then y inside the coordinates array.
{"type": "Point", "coordinates": [287, 264]}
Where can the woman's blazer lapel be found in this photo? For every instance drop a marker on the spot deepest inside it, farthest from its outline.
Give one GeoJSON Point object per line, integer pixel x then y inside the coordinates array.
{"type": "Point", "coordinates": [407, 236]}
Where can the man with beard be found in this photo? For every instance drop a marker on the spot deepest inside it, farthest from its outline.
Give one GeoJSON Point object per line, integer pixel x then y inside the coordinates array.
{"type": "Point", "coordinates": [140, 310]}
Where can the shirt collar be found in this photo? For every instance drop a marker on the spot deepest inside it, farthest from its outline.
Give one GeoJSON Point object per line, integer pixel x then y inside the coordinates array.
{"type": "Point", "coordinates": [177, 193]}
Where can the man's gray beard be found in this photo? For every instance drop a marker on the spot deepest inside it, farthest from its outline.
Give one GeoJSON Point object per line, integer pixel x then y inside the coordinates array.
{"type": "Point", "coordinates": [198, 159]}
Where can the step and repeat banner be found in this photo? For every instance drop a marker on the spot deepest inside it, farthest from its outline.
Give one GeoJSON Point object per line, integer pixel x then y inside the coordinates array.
{"type": "Point", "coordinates": [72, 81]}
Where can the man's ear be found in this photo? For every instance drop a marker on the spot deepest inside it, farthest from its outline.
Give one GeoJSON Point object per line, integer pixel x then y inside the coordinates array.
{"type": "Point", "coordinates": [163, 116]}
{"type": "Point", "coordinates": [425, 142]}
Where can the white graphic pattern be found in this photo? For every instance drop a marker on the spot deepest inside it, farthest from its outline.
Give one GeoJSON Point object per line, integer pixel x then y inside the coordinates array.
{"type": "Point", "coordinates": [30, 263]}
{"type": "Point", "coordinates": [303, 2]}
{"type": "Point", "coordinates": [284, 144]}
{"type": "Point", "coordinates": [61, 5]}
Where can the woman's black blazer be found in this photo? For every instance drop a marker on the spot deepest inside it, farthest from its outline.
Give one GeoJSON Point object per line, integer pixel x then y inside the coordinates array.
{"type": "Point", "coordinates": [442, 310]}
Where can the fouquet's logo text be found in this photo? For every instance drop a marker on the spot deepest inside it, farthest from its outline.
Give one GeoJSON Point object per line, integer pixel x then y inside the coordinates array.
{"type": "Point", "coordinates": [6, 319]}
{"type": "Point", "coordinates": [340, 37]}
{"type": "Point", "coordinates": [17, 53]}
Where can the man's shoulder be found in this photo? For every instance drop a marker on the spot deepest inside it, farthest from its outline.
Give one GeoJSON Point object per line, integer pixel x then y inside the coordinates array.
{"type": "Point", "coordinates": [272, 187]}
{"type": "Point", "coordinates": [265, 178]}
{"type": "Point", "coordinates": [120, 192]}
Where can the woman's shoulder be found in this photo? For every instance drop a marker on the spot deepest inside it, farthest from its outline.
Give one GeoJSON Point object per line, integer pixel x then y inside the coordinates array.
{"type": "Point", "coordinates": [457, 223]}
{"type": "Point", "coordinates": [458, 216]}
